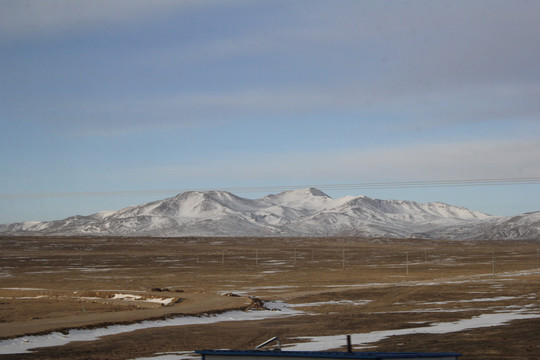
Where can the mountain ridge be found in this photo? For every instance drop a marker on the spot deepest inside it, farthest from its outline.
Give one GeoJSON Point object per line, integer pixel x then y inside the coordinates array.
{"type": "Point", "coordinates": [302, 212]}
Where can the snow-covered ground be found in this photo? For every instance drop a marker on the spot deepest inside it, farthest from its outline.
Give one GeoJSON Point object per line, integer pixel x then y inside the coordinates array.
{"type": "Point", "coordinates": [496, 316]}
{"type": "Point", "coordinates": [25, 343]}
{"type": "Point", "coordinates": [362, 340]}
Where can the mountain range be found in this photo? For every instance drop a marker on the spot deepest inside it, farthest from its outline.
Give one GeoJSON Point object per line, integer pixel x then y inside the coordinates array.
{"type": "Point", "coordinates": [304, 212]}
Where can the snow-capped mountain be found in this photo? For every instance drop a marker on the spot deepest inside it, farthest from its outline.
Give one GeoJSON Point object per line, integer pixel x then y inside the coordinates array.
{"type": "Point", "coordinates": [305, 212]}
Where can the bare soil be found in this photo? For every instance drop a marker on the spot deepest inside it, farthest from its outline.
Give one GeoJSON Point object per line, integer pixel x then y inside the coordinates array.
{"type": "Point", "coordinates": [347, 286]}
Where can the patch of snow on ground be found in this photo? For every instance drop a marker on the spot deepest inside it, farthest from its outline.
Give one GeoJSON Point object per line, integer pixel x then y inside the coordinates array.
{"type": "Point", "coordinates": [356, 285]}
{"type": "Point", "coordinates": [165, 301]}
{"type": "Point", "coordinates": [174, 355]}
{"type": "Point", "coordinates": [272, 262]}
{"type": "Point", "coordinates": [91, 269]}
{"type": "Point", "coordinates": [441, 310]}
{"type": "Point", "coordinates": [320, 343]}
{"type": "Point", "coordinates": [500, 298]}
{"type": "Point", "coordinates": [129, 297]}
{"type": "Point", "coordinates": [126, 297]}
{"type": "Point", "coordinates": [333, 302]}
{"type": "Point", "coordinates": [24, 344]}
{"type": "Point", "coordinates": [5, 274]}
{"type": "Point", "coordinates": [27, 289]}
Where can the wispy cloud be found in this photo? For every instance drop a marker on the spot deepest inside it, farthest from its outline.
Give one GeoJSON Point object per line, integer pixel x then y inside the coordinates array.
{"type": "Point", "coordinates": [478, 159]}
{"type": "Point", "coordinates": [26, 19]}
{"type": "Point", "coordinates": [450, 160]}
{"type": "Point", "coordinates": [187, 110]}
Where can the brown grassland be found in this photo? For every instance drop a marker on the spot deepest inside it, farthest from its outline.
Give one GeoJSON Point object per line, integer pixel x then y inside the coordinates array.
{"type": "Point", "coordinates": [347, 286]}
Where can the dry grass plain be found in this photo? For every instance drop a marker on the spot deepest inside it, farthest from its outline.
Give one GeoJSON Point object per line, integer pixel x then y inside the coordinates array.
{"type": "Point", "coordinates": [339, 286]}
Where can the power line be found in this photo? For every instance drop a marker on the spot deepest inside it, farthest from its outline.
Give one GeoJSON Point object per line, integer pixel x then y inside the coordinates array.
{"type": "Point", "coordinates": [270, 188]}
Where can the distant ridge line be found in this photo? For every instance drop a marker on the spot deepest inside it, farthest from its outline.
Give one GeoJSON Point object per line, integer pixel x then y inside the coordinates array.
{"type": "Point", "coordinates": [246, 189]}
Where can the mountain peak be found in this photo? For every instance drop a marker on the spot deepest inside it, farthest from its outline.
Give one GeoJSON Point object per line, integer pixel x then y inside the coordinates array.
{"type": "Point", "coordinates": [299, 212]}
{"type": "Point", "coordinates": [316, 192]}
{"type": "Point", "coordinates": [301, 199]}
{"type": "Point", "coordinates": [306, 192]}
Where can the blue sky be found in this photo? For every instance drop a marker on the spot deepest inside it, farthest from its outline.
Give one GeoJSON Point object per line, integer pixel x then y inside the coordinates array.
{"type": "Point", "coordinates": [136, 95]}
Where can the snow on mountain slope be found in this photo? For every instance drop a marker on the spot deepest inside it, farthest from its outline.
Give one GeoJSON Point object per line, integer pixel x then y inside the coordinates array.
{"type": "Point", "coordinates": [305, 212]}
{"type": "Point", "coordinates": [304, 199]}
{"type": "Point", "coordinates": [522, 226]}
{"type": "Point", "coordinates": [525, 226]}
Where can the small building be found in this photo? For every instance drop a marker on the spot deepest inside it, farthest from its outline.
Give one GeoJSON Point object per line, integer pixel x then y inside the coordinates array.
{"type": "Point", "coordinates": [319, 355]}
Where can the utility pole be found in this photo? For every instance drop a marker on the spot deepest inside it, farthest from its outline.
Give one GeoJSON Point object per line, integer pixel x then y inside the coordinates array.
{"type": "Point", "coordinates": [407, 261]}
{"type": "Point", "coordinates": [493, 263]}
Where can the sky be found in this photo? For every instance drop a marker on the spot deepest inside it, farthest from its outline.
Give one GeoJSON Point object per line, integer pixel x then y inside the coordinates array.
{"type": "Point", "coordinates": [111, 103]}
